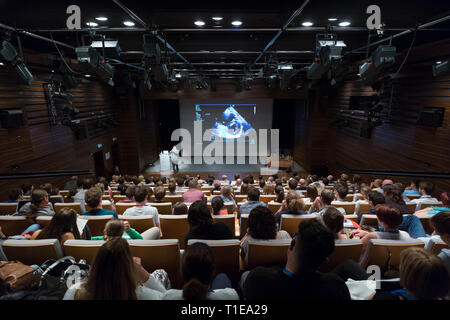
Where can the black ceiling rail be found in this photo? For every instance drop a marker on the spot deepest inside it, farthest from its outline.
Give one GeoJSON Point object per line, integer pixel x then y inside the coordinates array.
{"type": "Point", "coordinates": [47, 174]}
{"type": "Point", "coordinates": [412, 174]}
{"type": "Point", "coordinates": [146, 26]}
{"type": "Point", "coordinates": [283, 28]}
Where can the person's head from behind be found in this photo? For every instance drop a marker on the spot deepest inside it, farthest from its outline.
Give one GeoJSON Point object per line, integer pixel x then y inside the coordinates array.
{"type": "Point", "coordinates": [445, 198]}
{"type": "Point", "coordinates": [47, 187]}
{"type": "Point", "coordinates": [253, 194]}
{"type": "Point", "coordinates": [262, 223]}
{"type": "Point", "coordinates": [244, 189]}
{"type": "Point", "coordinates": [193, 184]}
{"type": "Point", "coordinates": [309, 248]}
{"type": "Point", "coordinates": [87, 183]}
{"type": "Point", "coordinates": [180, 208]}
{"type": "Point", "coordinates": [365, 192]}
{"type": "Point", "coordinates": [292, 184]}
{"type": "Point", "coordinates": [15, 195]}
{"type": "Point", "coordinates": [262, 184]}
{"type": "Point", "coordinates": [113, 274]}
{"type": "Point", "coordinates": [27, 188]}
{"type": "Point", "coordinates": [386, 182]}
{"type": "Point", "coordinates": [279, 192]}
{"type": "Point", "coordinates": [180, 182]}
{"type": "Point", "coordinates": [172, 187]}
{"type": "Point", "coordinates": [341, 192]}
{"type": "Point", "coordinates": [441, 224]}
{"type": "Point", "coordinates": [423, 274]}
{"type": "Point", "coordinates": [227, 192]}
{"type": "Point", "coordinates": [330, 178]}
{"type": "Point", "coordinates": [389, 218]}
{"type": "Point", "coordinates": [327, 196]}
{"type": "Point", "coordinates": [294, 203]}
{"type": "Point", "coordinates": [357, 180]}
{"type": "Point", "coordinates": [114, 228]}
{"type": "Point", "coordinates": [377, 183]}
{"type": "Point", "coordinates": [311, 193]}
{"type": "Point", "coordinates": [333, 219]}
{"type": "Point", "coordinates": [376, 198]}
{"type": "Point", "coordinates": [216, 185]}
{"type": "Point", "coordinates": [140, 194]}
{"type": "Point", "coordinates": [198, 268]}
{"type": "Point", "coordinates": [269, 189]}
{"type": "Point", "coordinates": [199, 215]}
{"type": "Point", "coordinates": [39, 198]}
{"type": "Point", "coordinates": [426, 188]}
{"type": "Point", "coordinates": [93, 198]}
{"type": "Point", "coordinates": [64, 221]}
{"type": "Point", "coordinates": [238, 182]}
{"type": "Point", "coordinates": [160, 193]}
{"type": "Point", "coordinates": [217, 205]}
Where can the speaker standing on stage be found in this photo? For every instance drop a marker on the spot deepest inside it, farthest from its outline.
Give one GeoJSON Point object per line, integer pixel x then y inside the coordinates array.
{"type": "Point", "coordinates": [174, 158]}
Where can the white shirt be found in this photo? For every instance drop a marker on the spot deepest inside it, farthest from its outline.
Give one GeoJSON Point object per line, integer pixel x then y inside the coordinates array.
{"type": "Point", "coordinates": [152, 289]}
{"type": "Point", "coordinates": [219, 294]}
{"type": "Point", "coordinates": [146, 210]}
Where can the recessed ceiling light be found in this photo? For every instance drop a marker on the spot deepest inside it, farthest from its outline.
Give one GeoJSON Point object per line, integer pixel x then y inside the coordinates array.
{"type": "Point", "coordinates": [236, 23]}
{"type": "Point", "coordinates": [199, 23]}
{"type": "Point", "coordinates": [129, 23]}
{"type": "Point", "coordinates": [437, 62]}
{"type": "Point", "coordinates": [101, 18]}
{"type": "Point", "coordinates": [217, 18]}
{"type": "Point", "coordinates": [92, 24]}
{"type": "Point", "coordinates": [307, 24]}
{"type": "Point", "coordinates": [344, 24]}
{"type": "Point", "coordinates": [2, 64]}
{"type": "Point", "coordinates": [87, 75]}
{"type": "Point", "coordinates": [332, 19]}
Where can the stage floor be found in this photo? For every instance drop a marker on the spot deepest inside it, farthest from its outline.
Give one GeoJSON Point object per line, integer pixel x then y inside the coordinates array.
{"type": "Point", "coordinates": [219, 168]}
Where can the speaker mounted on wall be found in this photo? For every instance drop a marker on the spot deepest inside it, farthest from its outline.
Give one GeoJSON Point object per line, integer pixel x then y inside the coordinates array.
{"type": "Point", "coordinates": [432, 116]}
{"type": "Point", "coordinates": [11, 119]}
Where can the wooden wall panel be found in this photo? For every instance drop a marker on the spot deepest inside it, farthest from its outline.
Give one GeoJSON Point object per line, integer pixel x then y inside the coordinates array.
{"type": "Point", "coordinates": [38, 146]}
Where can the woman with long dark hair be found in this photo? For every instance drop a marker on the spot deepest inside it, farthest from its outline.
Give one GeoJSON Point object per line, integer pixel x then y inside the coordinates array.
{"type": "Point", "coordinates": [63, 227]}
{"type": "Point", "coordinates": [116, 275]}
{"type": "Point", "coordinates": [198, 268]}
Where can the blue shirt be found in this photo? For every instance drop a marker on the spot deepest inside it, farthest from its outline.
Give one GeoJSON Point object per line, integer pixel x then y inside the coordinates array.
{"type": "Point", "coordinates": [406, 192]}
{"type": "Point", "coordinates": [11, 201]}
{"type": "Point", "coordinates": [100, 212]}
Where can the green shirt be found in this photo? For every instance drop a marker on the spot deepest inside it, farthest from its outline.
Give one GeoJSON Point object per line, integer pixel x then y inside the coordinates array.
{"type": "Point", "coordinates": [130, 234]}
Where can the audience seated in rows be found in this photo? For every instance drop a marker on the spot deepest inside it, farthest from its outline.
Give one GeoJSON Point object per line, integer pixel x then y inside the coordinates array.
{"type": "Point", "coordinates": [252, 202]}
{"type": "Point", "coordinates": [293, 204]}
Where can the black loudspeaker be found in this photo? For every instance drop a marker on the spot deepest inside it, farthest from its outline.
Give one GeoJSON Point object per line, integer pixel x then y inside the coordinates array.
{"type": "Point", "coordinates": [432, 116]}
{"type": "Point", "coordinates": [319, 170]}
{"type": "Point", "coordinates": [11, 119]}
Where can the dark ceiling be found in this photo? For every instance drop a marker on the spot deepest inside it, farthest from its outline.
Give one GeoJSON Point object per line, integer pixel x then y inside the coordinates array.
{"type": "Point", "coordinates": [220, 45]}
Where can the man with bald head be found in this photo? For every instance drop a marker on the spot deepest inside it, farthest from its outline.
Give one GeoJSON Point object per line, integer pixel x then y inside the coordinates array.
{"type": "Point", "coordinates": [387, 181]}
{"type": "Point", "coordinates": [302, 184]}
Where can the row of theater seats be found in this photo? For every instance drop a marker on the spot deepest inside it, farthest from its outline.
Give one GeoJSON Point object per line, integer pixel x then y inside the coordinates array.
{"type": "Point", "coordinates": [165, 207]}
{"type": "Point", "coordinates": [166, 253]}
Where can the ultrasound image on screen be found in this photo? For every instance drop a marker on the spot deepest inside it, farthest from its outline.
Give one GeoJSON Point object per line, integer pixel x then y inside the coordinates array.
{"type": "Point", "coordinates": [228, 121]}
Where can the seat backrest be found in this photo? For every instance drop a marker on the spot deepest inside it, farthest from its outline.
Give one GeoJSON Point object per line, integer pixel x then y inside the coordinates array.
{"type": "Point", "coordinates": [43, 221]}
{"type": "Point", "coordinates": [174, 227]}
{"type": "Point", "coordinates": [423, 205]}
{"type": "Point", "coordinates": [207, 193]}
{"type": "Point", "coordinates": [216, 192]}
{"type": "Point", "coordinates": [173, 199]}
{"type": "Point", "coordinates": [139, 223]}
{"type": "Point", "coordinates": [352, 217]}
{"type": "Point", "coordinates": [349, 197]}
{"type": "Point", "coordinates": [59, 198]}
{"type": "Point", "coordinates": [274, 206]}
{"type": "Point", "coordinates": [380, 251]}
{"type": "Point", "coordinates": [106, 196]}
{"type": "Point", "coordinates": [226, 253]}
{"type": "Point", "coordinates": [244, 225]}
{"type": "Point", "coordinates": [115, 192]}
{"type": "Point", "coordinates": [365, 207]}
{"type": "Point", "coordinates": [266, 198]}
{"type": "Point", "coordinates": [240, 198]}
{"type": "Point", "coordinates": [348, 207]}
{"type": "Point", "coordinates": [121, 207]}
{"type": "Point", "coordinates": [159, 254]}
{"type": "Point", "coordinates": [97, 224]}
{"type": "Point", "coordinates": [14, 225]}
{"type": "Point", "coordinates": [118, 197]}
{"type": "Point", "coordinates": [207, 188]}
{"type": "Point", "coordinates": [369, 220]}
{"type": "Point", "coordinates": [72, 205]}
{"type": "Point", "coordinates": [82, 249]}
{"type": "Point", "coordinates": [343, 250]}
{"type": "Point", "coordinates": [163, 207]}
{"type": "Point", "coordinates": [437, 246]}
{"type": "Point", "coordinates": [64, 192]}
{"type": "Point", "coordinates": [266, 253]}
{"type": "Point", "coordinates": [290, 222]}
{"type": "Point", "coordinates": [7, 208]}
{"type": "Point", "coordinates": [413, 196]}
{"type": "Point", "coordinates": [32, 251]}
{"type": "Point", "coordinates": [228, 219]}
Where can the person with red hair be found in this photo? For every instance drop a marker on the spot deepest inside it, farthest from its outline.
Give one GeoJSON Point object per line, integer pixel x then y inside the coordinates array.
{"type": "Point", "coordinates": [389, 219]}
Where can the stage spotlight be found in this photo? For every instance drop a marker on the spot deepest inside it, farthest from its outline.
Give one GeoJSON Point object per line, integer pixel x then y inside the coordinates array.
{"type": "Point", "coordinates": [111, 47]}
{"type": "Point", "coordinates": [87, 55]}
{"type": "Point", "coordinates": [14, 63]}
{"type": "Point", "coordinates": [381, 58]}
{"type": "Point", "coordinates": [152, 51]}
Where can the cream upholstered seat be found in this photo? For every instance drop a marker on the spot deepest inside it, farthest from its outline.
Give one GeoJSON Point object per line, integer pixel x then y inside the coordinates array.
{"type": "Point", "coordinates": [32, 251]}
{"type": "Point", "coordinates": [82, 249]}
{"type": "Point", "coordinates": [174, 227]}
{"type": "Point", "coordinates": [266, 253]}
